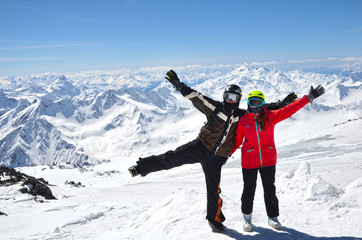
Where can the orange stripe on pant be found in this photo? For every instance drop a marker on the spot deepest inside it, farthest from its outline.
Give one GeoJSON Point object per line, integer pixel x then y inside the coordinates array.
{"type": "Point", "coordinates": [219, 204]}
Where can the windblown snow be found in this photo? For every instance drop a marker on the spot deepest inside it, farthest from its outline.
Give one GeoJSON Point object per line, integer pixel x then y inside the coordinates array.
{"type": "Point", "coordinates": [89, 127]}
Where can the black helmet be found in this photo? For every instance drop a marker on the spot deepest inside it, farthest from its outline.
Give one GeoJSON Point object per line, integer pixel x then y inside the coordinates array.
{"type": "Point", "coordinates": [232, 88]}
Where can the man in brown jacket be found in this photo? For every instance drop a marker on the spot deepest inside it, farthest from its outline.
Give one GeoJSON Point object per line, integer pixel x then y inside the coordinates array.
{"type": "Point", "coordinates": [211, 148]}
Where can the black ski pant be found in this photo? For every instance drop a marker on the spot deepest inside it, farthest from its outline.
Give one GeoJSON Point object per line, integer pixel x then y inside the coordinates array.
{"type": "Point", "coordinates": [192, 152]}
{"type": "Point", "coordinates": [267, 175]}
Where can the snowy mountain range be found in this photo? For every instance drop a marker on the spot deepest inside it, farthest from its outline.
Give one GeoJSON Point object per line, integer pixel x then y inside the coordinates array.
{"type": "Point", "coordinates": [89, 127]}
{"type": "Point", "coordinates": [90, 117]}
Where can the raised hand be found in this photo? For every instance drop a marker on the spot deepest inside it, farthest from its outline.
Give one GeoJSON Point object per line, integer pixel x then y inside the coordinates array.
{"type": "Point", "coordinates": [289, 99]}
{"type": "Point", "coordinates": [171, 76]}
{"type": "Point", "coordinates": [315, 92]}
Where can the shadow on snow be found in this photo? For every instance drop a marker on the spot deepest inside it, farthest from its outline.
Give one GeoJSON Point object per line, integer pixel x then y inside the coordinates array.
{"type": "Point", "coordinates": [284, 234]}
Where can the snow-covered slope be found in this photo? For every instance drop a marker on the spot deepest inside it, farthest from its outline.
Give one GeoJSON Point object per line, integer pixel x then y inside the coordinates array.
{"type": "Point", "coordinates": [103, 121]}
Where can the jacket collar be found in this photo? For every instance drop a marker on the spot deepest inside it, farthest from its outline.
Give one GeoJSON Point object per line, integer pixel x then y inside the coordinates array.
{"type": "Point", "coordinates": [251, 115]}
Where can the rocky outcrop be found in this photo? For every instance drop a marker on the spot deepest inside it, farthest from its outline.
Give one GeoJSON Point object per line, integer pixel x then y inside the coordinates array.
{"type": "Point", "coordinates": [31, 185]}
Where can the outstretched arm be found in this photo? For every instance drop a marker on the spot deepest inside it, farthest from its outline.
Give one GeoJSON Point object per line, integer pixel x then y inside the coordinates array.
{"type": "Point", "coordinates": [204, 104]}
{"type": "Point", "coordinates": [291, 97]}
{"type": "Point", "coordinates": [294, 107]}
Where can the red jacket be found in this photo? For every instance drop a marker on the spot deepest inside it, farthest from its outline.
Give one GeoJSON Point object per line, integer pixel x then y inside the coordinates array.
{"type": "Point", "coordinates": [258, 149]}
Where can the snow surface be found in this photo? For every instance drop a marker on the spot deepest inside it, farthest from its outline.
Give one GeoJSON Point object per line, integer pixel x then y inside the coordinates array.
{"type": "Point", "coordinates": [319, 170]}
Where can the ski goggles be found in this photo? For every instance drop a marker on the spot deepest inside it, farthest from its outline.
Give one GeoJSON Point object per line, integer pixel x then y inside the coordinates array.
{"type": "Point", "coordinates": [256, 102]}
{"type": "Point", "coordinates": [231, 97]}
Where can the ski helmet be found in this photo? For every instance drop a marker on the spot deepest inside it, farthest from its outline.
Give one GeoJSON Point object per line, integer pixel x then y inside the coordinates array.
{"type": "Point", "coordinates": [256, 94]}
{"type": "Point", "coordinates": [232, 93]}
{"type": "Point", "coordinates": [256, 99]}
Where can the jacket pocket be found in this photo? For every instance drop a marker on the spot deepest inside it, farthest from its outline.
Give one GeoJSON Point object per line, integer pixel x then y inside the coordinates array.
{"type": "Point", "coordinates": [269, 156]}
{"type": "Point", "coordinates": [250, 158]}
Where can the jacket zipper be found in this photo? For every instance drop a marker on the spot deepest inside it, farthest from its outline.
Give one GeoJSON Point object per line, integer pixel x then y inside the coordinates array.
{"type": "Point", "coordinates": [225, 133]}
{"type": "Point", "coordinates": [257, 134]}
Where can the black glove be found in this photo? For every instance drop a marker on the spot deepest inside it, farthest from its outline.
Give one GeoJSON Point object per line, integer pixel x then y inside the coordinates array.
{"type": "Point", "coordinates": [315, 92]}
{"type": "Point", "coordinates": [171, 76]}
{"type": "Point", "coordinates": [289, 99]}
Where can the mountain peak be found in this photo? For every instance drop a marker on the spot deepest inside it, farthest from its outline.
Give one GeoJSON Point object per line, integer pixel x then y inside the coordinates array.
{"type": "Point", "coordinates": [63, 87]}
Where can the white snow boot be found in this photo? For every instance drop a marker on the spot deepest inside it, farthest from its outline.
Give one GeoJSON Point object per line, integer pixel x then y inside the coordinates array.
{"type": "Point", "coordinates": [274, 223]}
{"type": "Point", "coordinates": [247, 227]}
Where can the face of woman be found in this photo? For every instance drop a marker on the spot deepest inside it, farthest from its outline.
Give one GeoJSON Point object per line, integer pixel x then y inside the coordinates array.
{"type": "Point", "coordinates": [255, 105]}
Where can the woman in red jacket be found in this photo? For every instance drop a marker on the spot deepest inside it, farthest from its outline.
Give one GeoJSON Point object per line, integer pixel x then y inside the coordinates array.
{"type": "Point", "coordinates": [258, 154]}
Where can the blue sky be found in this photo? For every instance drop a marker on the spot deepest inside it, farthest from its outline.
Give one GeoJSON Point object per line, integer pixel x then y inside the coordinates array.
{"type": "Point", "coordinates": [75, 35]}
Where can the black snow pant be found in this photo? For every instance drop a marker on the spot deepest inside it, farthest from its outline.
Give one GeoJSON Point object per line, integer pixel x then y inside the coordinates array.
{"type": "Point", "coordinates": [189, 153]}
{"type": "Point", "coordinates": [268, 179]}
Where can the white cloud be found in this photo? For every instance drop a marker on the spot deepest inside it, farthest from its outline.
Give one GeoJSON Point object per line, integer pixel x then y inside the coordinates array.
{"type": "Point", "coordinates": [313, 60]}
{"type": "Point", "coordinates": [354, 63]}
{"type": "Point", "coordinates": [267, 63]}
{"type": "Point", "coordinates": [351, 59]}
{"type": "Point", "coordinates": [351, 62]}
